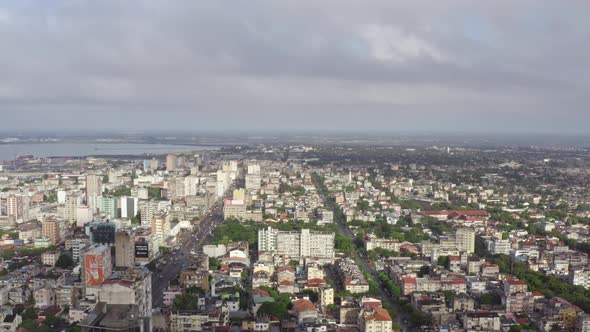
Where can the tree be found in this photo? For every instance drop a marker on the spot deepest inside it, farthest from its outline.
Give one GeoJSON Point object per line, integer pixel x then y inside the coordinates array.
{"type": "Point", "coordinates": [65, 261]}
{"type": "Point", "coordinates": [313, 295]}
{"type": "Point", "coordinates": [276, 309]}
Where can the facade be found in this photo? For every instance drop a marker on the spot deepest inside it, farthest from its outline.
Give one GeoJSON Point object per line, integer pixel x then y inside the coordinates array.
{"type": "Point", "coordinates": [15, 207]}
{"type": "Point", "coordinates": [52, 229]}
{"type": "Point", "coordinates": [129, 206]}
{"type": "Point", "coordinates": [93, 189]}
{"type": "Point", "coordinates": [387, 244]}
{"type": "Point", "coordinates": [72, 203]}
{"type": "Point", "coordinates": [374, 319]}
{"type": "Point", "coordinates": [161, 228]}
{"type": "Point", "coordinates": [465, 239]}
{"type": "Point", "coordinates": [297, 245]}
{"type": "Point", "coordinates": [482, 321]}
{"type": "Point", "coordinates": [96, 267]}
{"type": "Point", "coordinates": [125, 248]}
{"type": "Point", "coordinates": [130, 287]}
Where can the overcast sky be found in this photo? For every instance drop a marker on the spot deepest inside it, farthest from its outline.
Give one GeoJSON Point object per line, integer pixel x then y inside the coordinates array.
{"type": "Point", "coordinates": [447, 65]}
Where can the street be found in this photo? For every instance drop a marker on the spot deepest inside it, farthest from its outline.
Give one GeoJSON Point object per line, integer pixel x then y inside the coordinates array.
{"type": "Point", "coordinates": [178, 258]}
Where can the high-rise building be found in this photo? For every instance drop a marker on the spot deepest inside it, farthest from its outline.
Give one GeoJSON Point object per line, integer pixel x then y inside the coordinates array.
{"type": "Point", "coordinates": [147, 210]}
{"type": "Point", "coordinates": [129, 206]}
{"type": "Point", "coordinates": [161, 228]}
{"type": "Point", "coordinates": [109, 207]}
{"type": "Point", "coordinates": [297, 245]}
{"type": "Point", "coordinates": [254, 169]}
{"type": "Point", "coordinates": [52, 229]}
{"type": "Point", "coordinates": [93, 189]}
{"type": "Point", "coordinates": [465, 239]}
{"type": "Point", "coordinates": [171, 162]}
{"type": "Point", "coordinates": [125, 248]}
{"type": "Point", "coordinates": [15, 207]}
{"type": "Point", "coordinates": [267, 239]}
{"type": "Point", "coordinates": [132, 286]}
{"type": "Point", "coordinates": [73, 201]}
{"type": "Point", "coordinates": [96, 268]}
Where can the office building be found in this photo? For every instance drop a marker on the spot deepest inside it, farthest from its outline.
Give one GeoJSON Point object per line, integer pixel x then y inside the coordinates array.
{"type": "Point", "coordinates": [171, 162]}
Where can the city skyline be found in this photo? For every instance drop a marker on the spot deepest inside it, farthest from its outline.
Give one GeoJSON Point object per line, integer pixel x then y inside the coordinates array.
{"type": "Point", "coordinates": [373, 66]}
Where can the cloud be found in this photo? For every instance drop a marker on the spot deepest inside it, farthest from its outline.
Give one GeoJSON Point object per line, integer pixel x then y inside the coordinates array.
{"type": "Point", "coordinates": [306, 64]}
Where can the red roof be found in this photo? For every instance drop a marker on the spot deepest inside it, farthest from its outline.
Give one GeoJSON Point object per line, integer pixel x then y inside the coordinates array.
{"type": "Point", "coordinates": [260, 292]}
{"type": "Point", "coordinates": [379, 314]}
{"type": "Point", "coordinates": [409, 280]}
{"type": "Point", "coordinates": [303, 305]}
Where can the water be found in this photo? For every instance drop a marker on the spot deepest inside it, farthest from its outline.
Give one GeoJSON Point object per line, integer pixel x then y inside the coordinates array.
{"type": "Point", "coordinates": [9, 151]}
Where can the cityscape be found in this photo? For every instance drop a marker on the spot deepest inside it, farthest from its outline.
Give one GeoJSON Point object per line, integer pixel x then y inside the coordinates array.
{"type": "Point", "coordinates": [294, 166]}
{"type": "Point", "coordinates": [298, 237]}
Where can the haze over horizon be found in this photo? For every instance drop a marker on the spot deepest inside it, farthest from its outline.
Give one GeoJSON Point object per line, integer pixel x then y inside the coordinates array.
{"type": "Point", "coordinates": [376, 65]}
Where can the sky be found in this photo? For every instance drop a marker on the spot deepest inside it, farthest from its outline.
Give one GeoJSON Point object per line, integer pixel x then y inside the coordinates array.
{"type": "Point", "coordinates": [288, 65]}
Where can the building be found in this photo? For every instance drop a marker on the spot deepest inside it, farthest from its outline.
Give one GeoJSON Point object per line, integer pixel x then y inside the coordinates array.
{"type": "Point", "coordinates": [482, 321]}
{"type": "Point", "coordinates": [580, 277]}
{"type": "Point", "coordinates": [196, 274]}
{"type": "Point", "coordinates": [326, 296]}
{"type": "Point", "coordinates": [388, 244]}
{"type": "Point", "coordinates": [497, 246]}
{"type": "Point", "coordinates": [161, 229]}
{"type": "Point", "coordinates": [72, 203]}
{"type": "Point", "coordinates": [93, 189]}
{"type": "Point", "coordinates": [125, 248]}
{"type": "Point", "coordinates": [49, 258]}
{"type": "Point", "coordinates": [102, 232]}
{"type": "Point", "coordinates": [15, 207]}
{"type": "Point", "coordinates": [147, 210]}
{"type": "Point", "coordinates": [374, 319]}
{"type": "Point", "coordinates": [132, 286]}
{"type": "Point", "coordinates": [113, 318]}
{"type": "Point", "coordinates": [465, 239]}
{"type": "Point", "coordinates": [297, 245]}
{"type": "Point", "coordinates": [185, 321]}
{"type": "Point", "coordinates": [129, 206]}
{"type": "Point", "coordinates": [235, 209]}
{"type": "Point", "coordinates": [52, 230]}
{"type": "Point", "coordinates": [171, 162]}
{"type": "Point", "coordinates": [109, 207]}
{"type": "Point", "coordinates": [96, 268]}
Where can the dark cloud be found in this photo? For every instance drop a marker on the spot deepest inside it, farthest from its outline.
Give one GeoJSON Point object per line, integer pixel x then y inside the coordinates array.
{"type": "Point", "coordinates": [419, 65]}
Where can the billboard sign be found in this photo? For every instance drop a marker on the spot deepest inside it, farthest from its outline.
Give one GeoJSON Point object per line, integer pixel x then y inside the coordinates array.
{"type": "Point", "coordinates": [94, 270]}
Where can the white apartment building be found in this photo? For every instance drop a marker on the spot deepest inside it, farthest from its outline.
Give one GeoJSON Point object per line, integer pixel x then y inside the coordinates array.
{"type": "Point", "coordinates": [465, 239]}
{"type": "Point", "coordinates": [297, 245]}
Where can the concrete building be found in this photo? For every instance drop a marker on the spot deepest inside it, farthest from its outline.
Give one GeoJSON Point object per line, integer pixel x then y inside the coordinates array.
{"type": "Point", "coordinates": [125, 248]}
{"type": "Point", "coordinates": [326, 296]}
{"type": "Point", "coordinates": [374, 319]}
{"type": "Point", "coordinates": [482, 321]}
{"type": "Point", "coordinates": [132, 286]}
{"type": "Point", "coordinates": [129, 206]}
{"type": "Point", "coordinates": [96, 268]}
{"type": "Point", "coordinates": [161, 228]}
{"type": "Point", "coordinates": [52, 229]}
{"type": "Point", "coordinates": [148, 209]}
{"type": "Point", "coordinates": [580, 277]}
{"type": "Point", "coordinates": [108, 207]}
{"type": "Point", "coordinates": [93, 189]}
{"type": "Point", "coordinates": [465, 239]}
{"type": "Point", "coordinates": [15, 207]}
{"type": "Point", "coordinates": [72, 203]}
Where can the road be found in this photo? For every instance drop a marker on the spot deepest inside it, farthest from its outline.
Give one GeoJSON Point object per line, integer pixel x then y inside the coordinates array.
{"type": "Point", "coordinates": [178, 258]}
{"type": "Point", "coordinates": [383, 294]}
